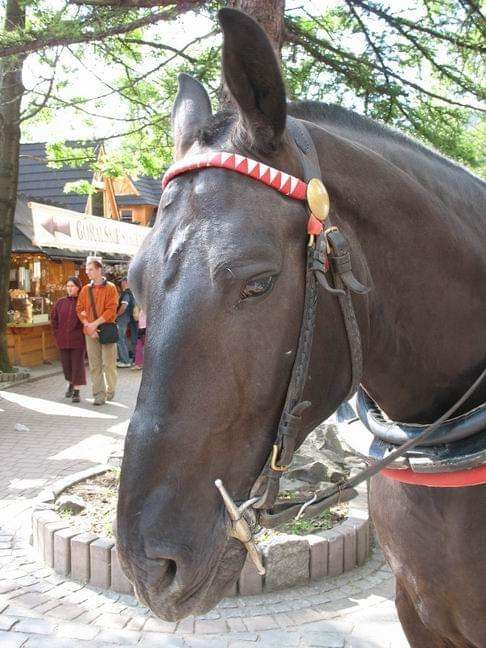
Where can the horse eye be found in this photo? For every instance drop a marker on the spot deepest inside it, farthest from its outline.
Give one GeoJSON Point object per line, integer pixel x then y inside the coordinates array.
{"type": "Point", "coordinates": [257, 287]}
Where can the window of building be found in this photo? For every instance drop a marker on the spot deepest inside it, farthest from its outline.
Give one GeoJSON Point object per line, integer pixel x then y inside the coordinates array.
{"type": "Point", "coordinates": [126, 215]}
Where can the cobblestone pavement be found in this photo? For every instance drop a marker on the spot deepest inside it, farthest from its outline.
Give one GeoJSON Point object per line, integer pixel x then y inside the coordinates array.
{"type": "Point", "coordinates": [39, 608]}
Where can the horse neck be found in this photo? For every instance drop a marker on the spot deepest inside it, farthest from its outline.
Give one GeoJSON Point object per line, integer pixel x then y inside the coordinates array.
{"type": "Point", "coordinates": [421, 324]}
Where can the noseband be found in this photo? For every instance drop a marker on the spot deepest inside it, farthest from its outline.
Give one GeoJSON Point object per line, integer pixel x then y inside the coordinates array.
{"type": "Point", "coordinates": [328, 264]}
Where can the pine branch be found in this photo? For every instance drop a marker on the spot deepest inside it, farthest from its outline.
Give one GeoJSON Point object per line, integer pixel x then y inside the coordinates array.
{"type": "Point", "coordinates": [314, 46]}
{"type": "Point", "coordinates": [396, 22]}
{"type": "Point", "coordinates": [51, 41]}
{"type": "Point", "coordinates": [182, 5]}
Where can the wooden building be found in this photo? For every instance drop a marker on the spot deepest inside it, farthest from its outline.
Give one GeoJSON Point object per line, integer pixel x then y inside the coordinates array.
{"type": "Point", "coordinates": [54, 232]}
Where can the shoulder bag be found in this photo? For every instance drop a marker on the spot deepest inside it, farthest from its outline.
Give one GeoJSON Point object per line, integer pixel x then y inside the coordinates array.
{"type": "Point", "coordinates": [107, 332]}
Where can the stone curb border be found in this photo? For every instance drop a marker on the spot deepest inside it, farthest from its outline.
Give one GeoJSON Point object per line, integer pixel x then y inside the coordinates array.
{"type": "Point", "coordinates": [6, 383]}
{"type": "Point", "coordinates": [290, 560]}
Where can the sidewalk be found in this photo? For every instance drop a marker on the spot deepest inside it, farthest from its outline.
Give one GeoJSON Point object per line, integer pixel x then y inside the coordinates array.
{"type": "Point", "coordinates": [40, 609]}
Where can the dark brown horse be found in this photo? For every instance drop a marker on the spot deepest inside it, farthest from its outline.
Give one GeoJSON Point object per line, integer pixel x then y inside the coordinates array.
{"type": "Point", "coordinates": [221, 277]}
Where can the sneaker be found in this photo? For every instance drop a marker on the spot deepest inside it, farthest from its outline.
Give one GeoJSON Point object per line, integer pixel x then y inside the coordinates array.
{"type": "Point", "coordinates": [69, 391]}
{"type": "Point", "coordinates": [135, 368]}
{"type": "Point", "coordinates": [99, 401]}
{"type": "Point", "coordinates": [76, 398]}
{"type": "Point", "coordinates": [123, 365]}
{"type": "Point", "coordinates": [110, 397]}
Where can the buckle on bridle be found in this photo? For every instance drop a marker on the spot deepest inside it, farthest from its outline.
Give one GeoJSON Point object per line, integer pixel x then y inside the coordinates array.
{"type": "Point", "coordinates": [273, 463]}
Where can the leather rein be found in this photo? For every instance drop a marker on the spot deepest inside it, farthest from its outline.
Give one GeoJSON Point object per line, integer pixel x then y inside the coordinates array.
{"type": "Point", "coordinates": [328, 264]}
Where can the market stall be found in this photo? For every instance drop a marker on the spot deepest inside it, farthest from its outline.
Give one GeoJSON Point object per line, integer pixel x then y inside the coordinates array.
{"type": "Point", "coordinates": [49, 245]}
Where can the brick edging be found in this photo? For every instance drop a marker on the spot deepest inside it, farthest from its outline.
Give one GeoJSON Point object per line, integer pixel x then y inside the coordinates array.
{"type": "Point", "coordinates": [290, 560]}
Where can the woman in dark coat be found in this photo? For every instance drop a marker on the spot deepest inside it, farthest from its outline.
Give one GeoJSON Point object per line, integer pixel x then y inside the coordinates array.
{"type": "Point", "coordinates": [68, 332]}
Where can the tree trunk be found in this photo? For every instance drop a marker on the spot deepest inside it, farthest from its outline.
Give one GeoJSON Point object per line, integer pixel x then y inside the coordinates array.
{"type": "Point", "coordinates": [11, 91]}
{"type": "Point", "coordinates": [270, 16]}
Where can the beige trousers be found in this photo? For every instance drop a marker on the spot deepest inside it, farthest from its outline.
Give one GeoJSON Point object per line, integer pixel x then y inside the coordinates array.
{"type": "Point", "coordinates": [102, 367]}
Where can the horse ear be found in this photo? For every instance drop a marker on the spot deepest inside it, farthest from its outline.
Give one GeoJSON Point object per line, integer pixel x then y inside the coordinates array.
{"type": "Point", "coordinates": [252, 74]}
{"type": "Point", "coordinates": [191, 110]}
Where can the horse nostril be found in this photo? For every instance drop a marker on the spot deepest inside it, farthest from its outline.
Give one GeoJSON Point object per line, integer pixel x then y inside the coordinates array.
{"type": "Point", "coordinates": [170, 570]}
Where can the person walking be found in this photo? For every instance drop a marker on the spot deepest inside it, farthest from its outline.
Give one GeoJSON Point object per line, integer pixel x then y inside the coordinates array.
{"type": "Point", "coordinates": [68, 333]}
{"type": "Point", "coordinates": [124, 318]}
{"type": "Point", "coordinates": [142, 325]}
{"type": "Point", "coordinates": [97, 304]}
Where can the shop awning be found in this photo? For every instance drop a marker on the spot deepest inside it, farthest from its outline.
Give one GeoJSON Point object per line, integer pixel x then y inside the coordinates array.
{"type": "Point", "coordinates": [64, 234]}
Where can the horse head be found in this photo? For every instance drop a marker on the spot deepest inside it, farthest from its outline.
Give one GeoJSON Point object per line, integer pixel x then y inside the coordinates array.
{"type": "Point", "coordinates": [221, 278]}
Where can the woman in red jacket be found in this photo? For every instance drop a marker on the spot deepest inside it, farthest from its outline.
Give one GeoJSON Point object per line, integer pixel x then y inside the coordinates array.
{"type": "Point", "coordinates": [68, 332]}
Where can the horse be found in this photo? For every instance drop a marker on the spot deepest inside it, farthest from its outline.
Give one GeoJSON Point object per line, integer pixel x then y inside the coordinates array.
{"type": "Point", "coordinates": [222, 278]}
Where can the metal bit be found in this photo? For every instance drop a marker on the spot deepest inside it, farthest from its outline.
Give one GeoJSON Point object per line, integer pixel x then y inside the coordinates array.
{"type": "Point", "coordinates": [240, 528]}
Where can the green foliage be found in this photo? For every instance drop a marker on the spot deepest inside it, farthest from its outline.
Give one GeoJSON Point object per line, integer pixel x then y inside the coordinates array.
{"type": "Point", "coordinates": [60, 154]}
{"type": "Point", "coordinates": [321, 522]}
{"type": "Point", "coordinates": [415, 69]}
{"type": "Point", "coordinates": [82, 187]}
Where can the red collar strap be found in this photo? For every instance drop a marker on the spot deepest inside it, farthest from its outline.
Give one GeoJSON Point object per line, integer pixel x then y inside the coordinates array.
{"type": "Point", "coordinates": [456, 479]}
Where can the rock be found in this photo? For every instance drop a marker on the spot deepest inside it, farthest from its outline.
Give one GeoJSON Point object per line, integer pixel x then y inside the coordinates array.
{"type": "Point", "coordinates": [72, 503]}
{"type": "Point", "coordinates": [115, 458]}
{"type": "Point", "coordinates": [286, 558]}
{"type": "Point", "coordinates": [318, 471]}
{"type": "Point", "coordinates": [332, 441]}
{"type": "Point", "coordinates": [20, 427]}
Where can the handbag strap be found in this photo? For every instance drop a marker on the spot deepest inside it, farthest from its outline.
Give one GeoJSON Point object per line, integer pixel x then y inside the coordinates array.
{"type": "Point", "coordinates": [93, 305]}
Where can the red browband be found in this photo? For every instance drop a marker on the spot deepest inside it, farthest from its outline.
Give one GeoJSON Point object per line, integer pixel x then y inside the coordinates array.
{"type": "Point", "coordinates": [283, 182]}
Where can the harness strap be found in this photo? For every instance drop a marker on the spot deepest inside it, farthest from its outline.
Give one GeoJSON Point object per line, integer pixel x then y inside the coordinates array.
{"type": "Point", "coordinates": [291, 417]}
{"type": "Point", "coordinates": [317, 265]}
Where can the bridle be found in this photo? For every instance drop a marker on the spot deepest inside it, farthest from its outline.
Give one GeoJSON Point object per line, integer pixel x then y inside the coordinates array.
{"type": "Point", "coordinates": [328, 264]}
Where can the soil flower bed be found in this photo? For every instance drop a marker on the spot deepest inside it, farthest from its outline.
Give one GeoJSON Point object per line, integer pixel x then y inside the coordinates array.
{"type": "Point", "coordinates": [83, 547]}
{"type": "Point", "coordinates": [100, 495]}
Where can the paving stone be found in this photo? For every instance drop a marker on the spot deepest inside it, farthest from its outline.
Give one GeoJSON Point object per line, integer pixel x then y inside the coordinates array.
{"type": "Point", "coordinates": [13, 640]}
{"type": "Point", "coordinates": [119, 582]}
{"type": "Point", "coordinates": [53, 642]}
{"type": "Point", "coordinates": [111, 621]}
{"type": "Point", "coordinates": [210, 626]}
{"type": "Point", "coordinates": [279, 638]}
{"type": "Point", "coordinates": [243, 636]}
{"type": "Point", "coordinates": [153, 640]}
{"type": "Point", "coordinates": [119, 637]}
{"type": "Point", "coordinates": [263, 622]}
{"type": "Point", "coordinates": [65, 612]}
{"type": "Point", "coordinates": [7, 586]}
{"type": "Point", "coordinates": [324, 640]}
{"type": "Point", "coordinates": [336, 553]}
{"type": "Point", "coordinates": [7, 621]}
{"type": "Point", "coordinates": [49, 528]}
{"type": "Point", "coordinates": [20, 611]}
{"type": "Point", "coordinates": [250, 581]}
{"type": "Point", "coordinates": [207, 642]}
{"type": "Point", "coordinates": [37, 626]}
{"type": "Point", "coordinates": [39, 518]}
{"type": "Point", "coordinates": [318, 556]}
{"type": "Point", "coordinates": [62, 550]}
{"type": "Point", "coordinates": [286, 559]}
{"type": "Point", "coordinates": [30, 599]}
{"type": "Point", "coordinates": [80, 556]}
{"type": "Point", "coordinates": [186, 626]}
{"type": "Point", "coordinates": [157, 625]}
{"type": "Point", "coordinates": [235, 625]}
{"type": "Point", "coordinates": [349, 546]}
{"type": "Point", "coordinates": [100, 562]}
{"type": "Point", "coordinates": [136, 623]}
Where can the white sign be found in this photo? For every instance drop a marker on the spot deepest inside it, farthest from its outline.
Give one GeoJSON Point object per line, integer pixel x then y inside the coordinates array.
{"type": "Point", "coordinates": [70, 230]}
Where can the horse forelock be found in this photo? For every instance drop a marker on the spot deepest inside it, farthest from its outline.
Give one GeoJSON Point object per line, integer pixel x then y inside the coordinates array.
{"type": "Point", "coordinates": [226, 127]}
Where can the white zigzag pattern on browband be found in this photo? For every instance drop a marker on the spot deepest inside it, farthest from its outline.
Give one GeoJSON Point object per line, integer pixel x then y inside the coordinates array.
{"type": "Point", "coordinates": [283, 182]}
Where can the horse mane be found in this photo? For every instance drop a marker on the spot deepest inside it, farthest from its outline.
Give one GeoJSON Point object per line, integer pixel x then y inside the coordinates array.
{"type": "Point", "coordinates": [392, 144]}
{"type": "Point", "coordinates": [370, 132]}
